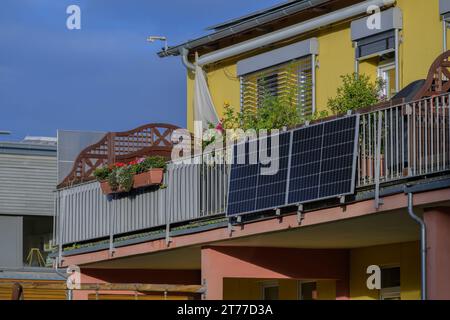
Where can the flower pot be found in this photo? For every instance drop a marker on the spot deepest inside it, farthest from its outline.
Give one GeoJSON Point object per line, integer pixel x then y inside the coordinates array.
{"type": "Point", "coordinates": [149, 178]}
{"type": "Point", "coordinates": [370, 166]}
{"type": "Point", "coordinates": [106, 188]}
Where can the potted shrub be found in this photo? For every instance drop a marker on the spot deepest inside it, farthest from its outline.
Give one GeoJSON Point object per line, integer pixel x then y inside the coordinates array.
{"type": "Point", "coordinates": [122, 177]}
{"type": "Point", "coordinates": [149, 172]}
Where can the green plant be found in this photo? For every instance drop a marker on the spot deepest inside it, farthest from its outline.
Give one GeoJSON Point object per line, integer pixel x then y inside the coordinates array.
{"type": "Point", "coordinates": [113, 179]}
{"type": "Point", "coordinates": [125, 177]}
{"type": "Point", "coordinates": [153, 162]}
{"type": "Point", "coordinates": [122, 174]}
{"type": "Point", "coordinates": [275, 113]}
{"type": "Point", "coordinates": [356, 91]}
{"type": "Point", "coordinates": [102, 173]}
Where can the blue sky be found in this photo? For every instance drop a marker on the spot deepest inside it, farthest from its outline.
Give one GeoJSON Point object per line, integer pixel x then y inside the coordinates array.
{"type": "Point", "coordinates": [104, 77]}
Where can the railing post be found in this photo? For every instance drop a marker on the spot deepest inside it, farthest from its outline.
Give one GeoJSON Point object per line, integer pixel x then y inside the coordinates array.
{"type": "Point", "coordinates": [111, 148]}
{"type": "Point", "coordinates": [378, 160]}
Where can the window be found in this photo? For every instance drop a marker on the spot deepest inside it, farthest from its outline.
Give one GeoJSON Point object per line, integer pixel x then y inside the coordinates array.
{"type": "Point", "coordinates": [37, 232]}
{"type": "Point", "coordinates": [307, 290]}
{"type": "Point", "coordinates": [386, 71]}
{"type": "Point", "coordinates": [290, 82]}
{"type": "Point", "coordinates": [390, 283]}
{"type": "Point", "coordinates": [270, 290]}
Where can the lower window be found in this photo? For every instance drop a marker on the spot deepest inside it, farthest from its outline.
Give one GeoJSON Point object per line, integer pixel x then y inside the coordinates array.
{"type": "Point", "coordinates": [390, 283]}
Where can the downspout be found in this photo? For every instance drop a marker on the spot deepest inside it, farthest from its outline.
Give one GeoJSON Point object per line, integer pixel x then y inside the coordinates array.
{"type": "Point", "coordinates": [423, 244]}
{"type": "Point", "coordinates": [184, 58]}
{"type": "Point", "coordinates": [444, 26]}
{"type": "Point", "coordinates": [397, 61]}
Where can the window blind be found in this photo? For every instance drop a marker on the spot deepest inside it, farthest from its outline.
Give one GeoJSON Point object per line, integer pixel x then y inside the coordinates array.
{"type": "Point", "coordinates": [289, 82]}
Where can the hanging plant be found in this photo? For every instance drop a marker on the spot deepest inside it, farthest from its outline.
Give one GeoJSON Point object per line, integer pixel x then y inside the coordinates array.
{"type": "Point", "coordinates": [122, 177]}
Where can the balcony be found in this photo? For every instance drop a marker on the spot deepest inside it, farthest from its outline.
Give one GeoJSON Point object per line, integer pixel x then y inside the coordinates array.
{"type": "Point", "coordinates": [398, 143]}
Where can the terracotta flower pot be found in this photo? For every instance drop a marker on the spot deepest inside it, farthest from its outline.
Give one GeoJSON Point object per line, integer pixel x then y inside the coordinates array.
{"type": "Point", "coordinates": [149, 178]}
{"type": "Point", "coordinates": [106, 188]}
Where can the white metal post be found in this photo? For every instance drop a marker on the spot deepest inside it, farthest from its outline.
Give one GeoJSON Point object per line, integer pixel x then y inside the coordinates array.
{"type": "Point", "coordinates": [397, 64]}
{"type": "Point", "coordinates": [444, 40]}
{"type": "Point", "coordinates": [313, 66]}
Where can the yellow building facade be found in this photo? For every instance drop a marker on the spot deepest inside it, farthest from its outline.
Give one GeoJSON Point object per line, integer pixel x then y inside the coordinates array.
{"type": "Point", "coordinates": [420, 42]}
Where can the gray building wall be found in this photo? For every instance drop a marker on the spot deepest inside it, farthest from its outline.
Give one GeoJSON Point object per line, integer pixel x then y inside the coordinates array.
{"type": "Point", "coordinates": [27, 183]}
{"type": "Point", "coordinates": [10, 242]}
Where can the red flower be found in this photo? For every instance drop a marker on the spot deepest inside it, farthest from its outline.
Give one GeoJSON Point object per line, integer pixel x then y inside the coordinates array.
{"type": "Point", "coordinates": [132, 163]}
{"type": "Point", "coordinates": [219, 127]}
{"type": "Point", "coordinates": [120, 164]}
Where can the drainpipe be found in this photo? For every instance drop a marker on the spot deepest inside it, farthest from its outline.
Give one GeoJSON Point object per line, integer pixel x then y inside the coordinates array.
{"type": "Point", "coordinates": [423, 244]}
{"type": "Point", "coordinates": [184, 58]}
{"type": "Point", "coordinates": [397, 61]}
{"type": "Point", "coordinates": [444, 26]}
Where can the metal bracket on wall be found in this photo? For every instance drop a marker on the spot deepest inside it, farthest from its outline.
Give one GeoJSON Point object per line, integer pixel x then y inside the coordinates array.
{"type": "Point", "coordinates": [300, 214]}
{"type": "Point", "coordinates": [112, 250]}
{"type": "Point", "coordinates": [168, 238]}
{"type": "Point", "coordinates": [111, 225]}
{"type": "Point", "coordinates": [230, 226]}
{"type": "Point", "coordinates": [206, 288]}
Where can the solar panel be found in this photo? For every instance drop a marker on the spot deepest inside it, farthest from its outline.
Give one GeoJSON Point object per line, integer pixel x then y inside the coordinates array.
{"type": "Point", "coordinates": [323, 160]}
{"type": "Point", "coordinates": [243, 182]}
{"type": "Point", "coordinates": [314, 162]}
{"type": "Point", "coordinates": [271, 190]}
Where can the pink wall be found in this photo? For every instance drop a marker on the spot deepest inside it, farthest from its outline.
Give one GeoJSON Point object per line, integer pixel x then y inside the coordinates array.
{"type": "Point", "coordinates": [186, 277]}
{"type": "Point", "coordinates": [437, 221]}
{"type": "Point", "coordinates": [273, 263]}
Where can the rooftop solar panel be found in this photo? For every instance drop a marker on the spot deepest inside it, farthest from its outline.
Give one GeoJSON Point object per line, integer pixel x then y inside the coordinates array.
{"type": "Point", "coordinates": [315, 162]}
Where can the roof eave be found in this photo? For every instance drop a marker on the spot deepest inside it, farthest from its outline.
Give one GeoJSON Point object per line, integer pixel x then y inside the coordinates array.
{"type": "Point", "coordinates": [242, 26]}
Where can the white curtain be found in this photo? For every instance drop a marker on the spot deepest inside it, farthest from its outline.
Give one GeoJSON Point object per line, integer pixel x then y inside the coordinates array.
{"type": "Point", "coordinates": [204, 110]}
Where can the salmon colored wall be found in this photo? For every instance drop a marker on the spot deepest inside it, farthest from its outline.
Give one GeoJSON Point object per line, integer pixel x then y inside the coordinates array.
{"type": "Point", "coordinates": [133, 276]}
{"type": "Point", "coordinates": [405, 255]}
{"type": "Point", "coordinates": [421, 44]}
{"type": "Point", "coordinates": [219, 263]}
{"type": "Point", "coordinates": [437, 221]}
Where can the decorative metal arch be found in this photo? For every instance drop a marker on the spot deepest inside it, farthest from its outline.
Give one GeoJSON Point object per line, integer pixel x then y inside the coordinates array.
{"type": "Point", "coordinates": [147, 140]}
{"type": "Point", "coordinates": [438, 79]}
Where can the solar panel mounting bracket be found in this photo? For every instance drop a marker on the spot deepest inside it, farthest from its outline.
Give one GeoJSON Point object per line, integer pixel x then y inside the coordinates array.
{"type": "Point", "coordinates": [300, 215]}
{"type": "Point", "coordinates": [230, 227]}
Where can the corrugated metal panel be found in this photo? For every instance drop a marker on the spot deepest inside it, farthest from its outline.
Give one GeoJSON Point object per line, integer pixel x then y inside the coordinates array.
{"type": "Point", "coordinates": [32, 294]}
{"type": "Point", "coordinates": [11, 242]}
{"type": "Point", "coordinates": [27, 184]}
{"type": "Point", "coordinates": [84, 213]}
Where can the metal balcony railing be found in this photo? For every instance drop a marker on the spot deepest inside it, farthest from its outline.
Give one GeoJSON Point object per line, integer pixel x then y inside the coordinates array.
{"type": "Point", "coordinates": [189, 192]}
{"type": "Point", "coordinates": [405, 140]}
{"type": "Point", "coordinates": [395, 142]}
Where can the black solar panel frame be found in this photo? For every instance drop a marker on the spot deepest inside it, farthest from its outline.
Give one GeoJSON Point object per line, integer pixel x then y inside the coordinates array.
{"type": "Point", "coordinates": [355, 157]}
{"type": "Point", "coordinates": [287, 203]}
